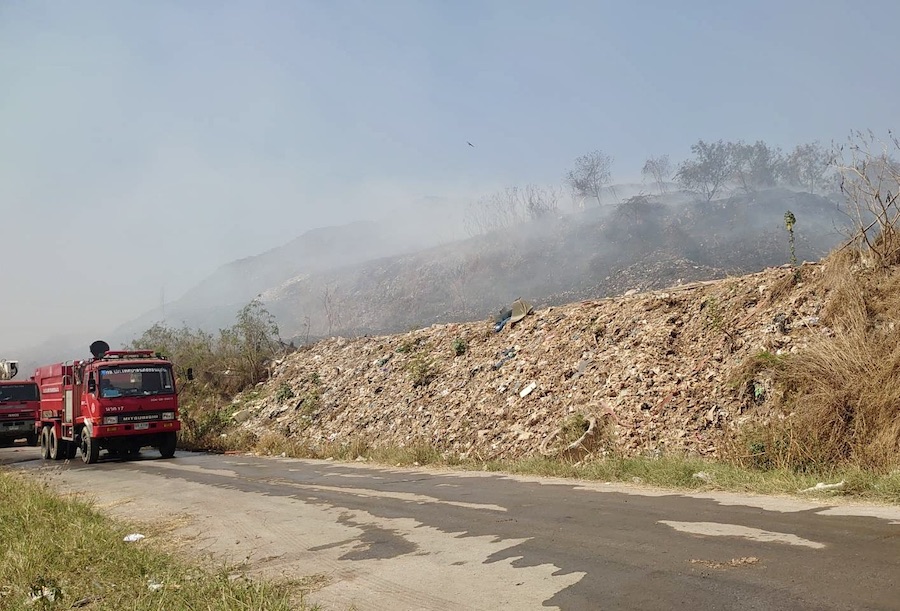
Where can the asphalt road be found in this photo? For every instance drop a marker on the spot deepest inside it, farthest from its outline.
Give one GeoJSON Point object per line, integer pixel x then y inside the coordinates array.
{"type": "Point", "coordinates": [384, 538]}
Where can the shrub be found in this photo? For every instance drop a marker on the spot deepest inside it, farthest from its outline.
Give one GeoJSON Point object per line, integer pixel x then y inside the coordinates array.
{"type": "Point", "coordinates": [422, 370]}
{"type": "Point", "coordinates": [284, 393]}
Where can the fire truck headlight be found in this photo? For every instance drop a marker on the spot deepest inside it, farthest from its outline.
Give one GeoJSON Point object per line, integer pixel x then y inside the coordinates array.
{"type": "Point", "coordinates": [168, 415]}
{"type": "Point", "coordinates": [110, 419]}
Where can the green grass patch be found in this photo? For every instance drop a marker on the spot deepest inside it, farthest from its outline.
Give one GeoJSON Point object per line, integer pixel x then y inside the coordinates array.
{"type": "Point", "coordinates": [65, 554]}
{"type": "Point", "coordinates": [422, 370]}
{"type": "Point", "coordinates": [673, 472]}
{"type": "Point", "coordinates": [700, 474]}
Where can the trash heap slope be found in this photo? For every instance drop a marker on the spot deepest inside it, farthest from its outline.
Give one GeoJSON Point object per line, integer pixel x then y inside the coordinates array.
{"type": "Point", "coordinates": [659, 371]}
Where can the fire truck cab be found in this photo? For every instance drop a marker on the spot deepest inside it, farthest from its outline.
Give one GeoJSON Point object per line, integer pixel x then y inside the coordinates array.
{"type": "Point", "coordinates": [19, 404]}
{"type": "Point", "coordinates": [118, 401]}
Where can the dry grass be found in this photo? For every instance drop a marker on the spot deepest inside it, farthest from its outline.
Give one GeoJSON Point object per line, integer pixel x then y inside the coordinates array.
{"type": "Point", "coordinates": [839, 400]}
{"type": "Point", "coordinates": [784, 285]}
{"type": "Point", "coordinates": [415, 453]}
{"type": "Point", "coordinates": [673, 472]}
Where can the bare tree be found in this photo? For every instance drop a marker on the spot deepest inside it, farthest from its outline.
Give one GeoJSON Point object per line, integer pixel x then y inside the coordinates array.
{"type": "Point", "coordinates": [591, 174]}
{"type": "Point", "coordinates": [510, 207]}
{"type": "Point", "coordinates": [808, 166]}
{"type": "Point", "coordinates": [708, 171]}
{"type": "Point", "coordinates": [332, 308]}
{"type": "Point", "coordinates": [496, 211]}
{"type": "Point", "coordinates": [539, 202]}
{"type": "Point", "coordinates": [756, 166]}
{"type": "Point", "coordinates": [659, 170]}
{"type": "Point", "coordinates": [870, 182]}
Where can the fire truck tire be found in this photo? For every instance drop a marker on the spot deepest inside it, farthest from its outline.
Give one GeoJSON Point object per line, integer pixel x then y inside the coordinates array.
{"type": "Point", "coordinates": [167, 445]}
{"type": "Point", "coordinates": [90, 449]}
{"type": "Point", "coordinates": [45, 443]}
{"type": "Point", "coordinates": [55, 448]}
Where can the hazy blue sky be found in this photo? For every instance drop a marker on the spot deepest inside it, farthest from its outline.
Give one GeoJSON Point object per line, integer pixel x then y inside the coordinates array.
{"type": "Point", "coordinates": [144, 143]}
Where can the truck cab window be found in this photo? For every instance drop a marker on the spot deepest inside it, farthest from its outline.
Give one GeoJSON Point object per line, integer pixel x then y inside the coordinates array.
{"type": "Point", "coordinates": [129, 381]}
{"type": "Point", "coordinates": [107, 389]}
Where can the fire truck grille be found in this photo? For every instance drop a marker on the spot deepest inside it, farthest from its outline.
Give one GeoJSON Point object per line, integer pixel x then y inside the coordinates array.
{"type": "Point", "coordinates": [138, 417]}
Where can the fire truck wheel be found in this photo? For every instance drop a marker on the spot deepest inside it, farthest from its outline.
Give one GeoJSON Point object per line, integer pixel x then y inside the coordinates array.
{"type": "Point", "coordinates": [167, 445]}
{"type": "Point", "coordinates": [45, 443]}
{"type": "Point", "coordinates": [56, 451]}
{"type": "Point", "coordinates": [90, 449]}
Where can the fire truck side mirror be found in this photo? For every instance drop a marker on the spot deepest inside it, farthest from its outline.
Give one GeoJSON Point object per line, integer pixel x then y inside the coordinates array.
{"type": "Point", "coordinates": [190, 373]}
{"type": "Point", "coordinates": [92, 384]}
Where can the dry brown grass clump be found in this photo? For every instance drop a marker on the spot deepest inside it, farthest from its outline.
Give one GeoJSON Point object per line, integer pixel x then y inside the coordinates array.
{"type": "Point", "coordinates": [839, 399]}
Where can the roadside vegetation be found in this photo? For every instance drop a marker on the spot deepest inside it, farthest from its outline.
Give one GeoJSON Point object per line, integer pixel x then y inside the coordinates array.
{"type": "Point", "coordinates": [224, 364]}
{"type": "Point", "coordinates": [837, 403]}
{"type": "Point", "coordinates": [666, 471]}
{"type": "Point", "coordinates": [61, 553]}
{"type": "Point", "coordinates": [831, 413]}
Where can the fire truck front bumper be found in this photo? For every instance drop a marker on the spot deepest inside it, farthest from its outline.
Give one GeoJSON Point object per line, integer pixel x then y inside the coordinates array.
{"type": "Point", "coordinates": [137, 428]}
{"type": "Point", "coordinates": [16, 427]}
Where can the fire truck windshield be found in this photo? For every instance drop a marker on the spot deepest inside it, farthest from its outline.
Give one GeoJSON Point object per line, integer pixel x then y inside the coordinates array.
{"type": "Point", "coordinates": [19, 392]}
{"type": "Point", "coordinates": [135, 381]}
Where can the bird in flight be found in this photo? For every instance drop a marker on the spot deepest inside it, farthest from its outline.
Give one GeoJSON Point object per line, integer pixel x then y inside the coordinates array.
{"type": "Point", "coordinates": [470, 144]}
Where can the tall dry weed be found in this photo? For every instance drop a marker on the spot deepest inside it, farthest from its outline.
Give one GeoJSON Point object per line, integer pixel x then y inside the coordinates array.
{"type": "Point", "coordinates": [839, 399]}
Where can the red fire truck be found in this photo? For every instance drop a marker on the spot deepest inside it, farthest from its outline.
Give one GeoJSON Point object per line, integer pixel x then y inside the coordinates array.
{"type": "Point", "coordinates": [118, 401]}
{"type": "Point", "coordinates": [19, 403]}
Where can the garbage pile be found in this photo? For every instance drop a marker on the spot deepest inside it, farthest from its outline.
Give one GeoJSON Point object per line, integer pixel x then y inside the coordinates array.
{"type": "Point", "coordinates": [650, 372]}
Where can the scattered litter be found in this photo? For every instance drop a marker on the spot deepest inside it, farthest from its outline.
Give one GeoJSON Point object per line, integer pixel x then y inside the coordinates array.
{"type": "Point", "coordinates": [519, 310]}
{"type": "Point", "coordinates": [153, 585]}
{"type": "Point", "coordinates": [733, 563]}
{"type": "Point", "coordinates": [781, 323]}
{"type": "Point", "coordinates": [823, 486]}
{"type": "Point", "coordinates": [703, 476]}
{"type": "Point", "coordinates": [528, 390]}
{"type": "Point", "coordinates": [133, 537]}
{"type": "Point", "coordinates": [648, 356]}
{"type": "Point", "coordinates": [84, 602]}
{"type": "Point", "coordinates": [506, 355]}
{"type": "Point", "coordinates": [557, 434]}
{"type": "Point", "coordinates": [45, 593]}
{"type": "Point", "coordinates": [637, 480]}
